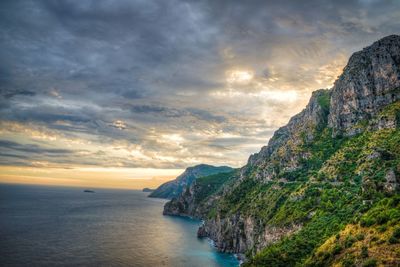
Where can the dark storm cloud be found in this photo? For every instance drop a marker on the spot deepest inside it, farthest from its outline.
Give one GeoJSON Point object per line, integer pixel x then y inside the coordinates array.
{"type": "Point", "coordinates": [13, 153]}
{"type": "Point", "coordinates": [10, 94]}
{"type": "Point", "coordinates": [139, 71]}
{"type": "Point", "coordinates": [32, 148]}
{"type": "Point", "coordinates": [176, 113]}
{"type": "Point", "coordinates": [167, 112]}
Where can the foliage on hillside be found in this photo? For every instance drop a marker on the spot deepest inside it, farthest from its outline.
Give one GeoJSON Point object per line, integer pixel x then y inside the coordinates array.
{"type": "Point", "coordinates": [335, 187]}
{"type": "Point", "coordinates": [323, 209]}
{"type": "Point", "coordinates": [209, 185]}
{"type": "Point", "coordinates": [374, 241]}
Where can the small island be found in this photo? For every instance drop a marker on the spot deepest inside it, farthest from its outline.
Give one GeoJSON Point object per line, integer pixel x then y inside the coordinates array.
{"type": "Point", "coordinates": [88, 191]}
{"type": "Point", "coordinates": [147, 190]}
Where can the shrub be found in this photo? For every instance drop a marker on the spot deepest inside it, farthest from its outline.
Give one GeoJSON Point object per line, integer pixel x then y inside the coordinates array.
{"type": "Point", "coordinates": [382, 228]}
{"type": "Point", "coordinates": [364, 252]}
{"type": "Point", "coordinates": [393, 240]}
{"type": "Point", "coordinates": [337, 249]}
{"type": "Point", "coordinates": [360, 236]}
{"type": "Point", "coordinates": [396, 233]}
{"type": "Point", "coordinates": [394, 201]}
{"type": "Point", "coordinates": [382, 218]}
{"type": "Point", "coordinates": [348, 262]}
{"type": "Point", "coordinates": [366, 222]}
{"type": "Point", "coordinates": [349, 241]}
{"type": "Point", "coordinates": [370, 263]}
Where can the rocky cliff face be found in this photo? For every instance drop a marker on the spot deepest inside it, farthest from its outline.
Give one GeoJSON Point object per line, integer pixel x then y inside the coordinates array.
{"type": "Point", "coordinates": [198, 198]}
{"type": "Point", "coordinates": [281, 153]}
{"type": "Point", "coordinates": [238, 234]}
{"type": "Point", "coordinates": [183, 205]}
{"type": "Point", "coordinates": [370, 81]}
{"type": "Point", "coordinates": [174, 188]}
{"type": "Point", "coordinates": [293, 185]}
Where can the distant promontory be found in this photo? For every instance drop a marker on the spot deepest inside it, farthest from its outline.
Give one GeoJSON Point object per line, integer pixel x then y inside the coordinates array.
{"type": "Point", "coordinates": [146, 189]}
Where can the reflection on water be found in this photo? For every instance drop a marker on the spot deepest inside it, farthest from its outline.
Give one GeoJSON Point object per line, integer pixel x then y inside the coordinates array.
{"type": "Point", "coordinates": [65, 226]}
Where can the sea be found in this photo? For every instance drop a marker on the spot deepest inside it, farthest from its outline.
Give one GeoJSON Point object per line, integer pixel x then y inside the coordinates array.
{"type": "Point", "coordinates": [60, 226]}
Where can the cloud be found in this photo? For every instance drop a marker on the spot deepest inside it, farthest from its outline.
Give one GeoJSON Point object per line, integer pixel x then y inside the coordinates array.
{"type": "Point", "coordinates": [32, 148]}
{"type": "Point", "coordinates": [18, 154]}
{"type": "Point", "coordinates": [10, 94]}
{"type": "Point", "coordinates": [106, 82]}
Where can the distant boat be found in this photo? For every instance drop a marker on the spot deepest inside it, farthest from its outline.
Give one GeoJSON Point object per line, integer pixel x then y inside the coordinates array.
{"type": "Point", "coordinates": [88, 191]}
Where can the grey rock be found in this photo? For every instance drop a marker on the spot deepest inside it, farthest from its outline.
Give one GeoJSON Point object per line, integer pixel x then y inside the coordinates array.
{"type": "Point", "coordinates": [391, 183]}
{"type": "Point", "coordinates": [370, 81]}
{"type": "Point", "coordinates": [280, 154]}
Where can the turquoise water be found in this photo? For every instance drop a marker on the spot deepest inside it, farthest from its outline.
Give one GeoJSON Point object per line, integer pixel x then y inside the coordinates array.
{"type": "Point", "coordinates": [56, 226]}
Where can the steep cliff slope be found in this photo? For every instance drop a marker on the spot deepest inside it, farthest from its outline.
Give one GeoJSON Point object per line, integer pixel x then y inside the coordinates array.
{"type": "Point", "coordinates": [319, 174]}
{"type": "Point", "coordinates": [370, 81]}
{"type": "Point", "coordinates": [198, 198]}
{"type": "Point", "coordinates": [175, 187]}
{"type": "Point", "coordinates": [374, 240]}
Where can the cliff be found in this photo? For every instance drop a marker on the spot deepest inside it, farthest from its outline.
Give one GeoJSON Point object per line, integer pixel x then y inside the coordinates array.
{"type": "Point", "coordinates": [282, 152]}
{"type": "Point", "coordinates": [370, 81]}
{"type": "Point", "coordinates": [175, 187]}
{"type": "Point", "coordinates": [198, 198]}
{"type": "Point", "coordinates": [322, 172]}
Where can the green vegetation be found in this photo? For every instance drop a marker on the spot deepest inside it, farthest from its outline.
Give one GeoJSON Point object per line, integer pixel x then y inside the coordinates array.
{"type": "Point", "coordinates": [172, 189]}
{"type": "Point", "coordinates": [370, 263]}
{"type": "Point", "coordinates": [324, 100]}
{"type": "Point", "coordinates": [334, 199]}
{"type": "Point", "coordinates": [364, 243]}
{"type": "Point", "coordinates": [322, 147]}
{"type": "Point", "coordinates": [325, 201]}
{"type": "Point", "coordinates": [364, 252]}
{"type": "Point", "coordinates": [341, 185]}
{"type": "Point", "coordinates": [253, 198]}
{"type": "Point", "coordinates": [209, 185]}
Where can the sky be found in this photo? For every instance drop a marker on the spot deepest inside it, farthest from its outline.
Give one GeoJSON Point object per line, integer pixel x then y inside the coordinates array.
{"type": "Point", "coordinates": [127, 94]}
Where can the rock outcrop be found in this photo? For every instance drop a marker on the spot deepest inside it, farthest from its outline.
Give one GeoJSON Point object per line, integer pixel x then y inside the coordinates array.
{"type": "Point", "coordinates": [370, 81]}
{"type": "Point", "coordinates": [183, 205]}
{"type": "Point", "coordinates": [238, 234]}
{"type": "Point", "coordinates": [281, 155]}
{"type": "Point", "coordinates": [197, 200]}
{"type": "Point", "coordinates": [175, 187]}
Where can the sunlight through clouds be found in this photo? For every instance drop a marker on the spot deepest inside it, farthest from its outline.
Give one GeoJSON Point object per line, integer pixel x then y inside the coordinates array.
{"type": "Point", "coordinates": [239, 76]}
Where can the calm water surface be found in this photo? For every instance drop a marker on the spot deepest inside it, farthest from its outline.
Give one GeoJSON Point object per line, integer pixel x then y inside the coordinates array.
{"type": "Point", "coordinates": [56, 226]}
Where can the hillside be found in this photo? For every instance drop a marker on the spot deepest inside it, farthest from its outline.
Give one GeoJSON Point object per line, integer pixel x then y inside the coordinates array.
{"type": "Point", "coordinates": [374, 240]}
{"type": "Point", "coordinates": [175, 187]}
{"type": "Point", "coordinates": [198, 198]}
{"type": "Point", "coordinates": [321, 178]}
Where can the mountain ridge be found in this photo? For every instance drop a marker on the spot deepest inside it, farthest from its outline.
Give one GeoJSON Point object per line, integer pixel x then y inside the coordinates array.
{"type": "Point", "coordinates": [322, 171]}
